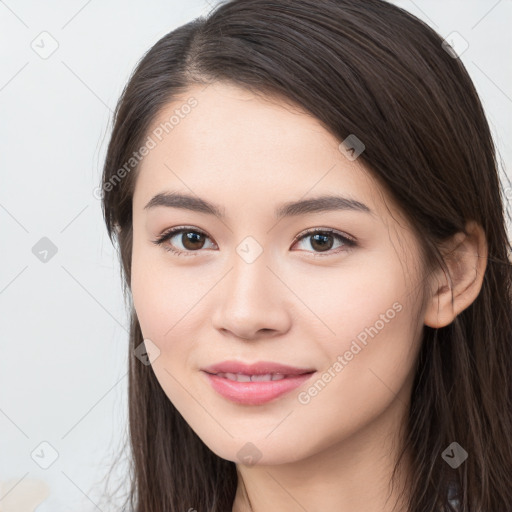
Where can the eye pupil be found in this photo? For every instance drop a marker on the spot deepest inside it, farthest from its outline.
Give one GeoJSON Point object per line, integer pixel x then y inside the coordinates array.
{"type": "Point", "coordinates": [322, 245]}
{"type": "Point", "coordinates": [192, 237]}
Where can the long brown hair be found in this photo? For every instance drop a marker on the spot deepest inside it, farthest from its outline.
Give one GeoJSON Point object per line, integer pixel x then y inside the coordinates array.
{"type": "Point", "coordinates": [371, 69]}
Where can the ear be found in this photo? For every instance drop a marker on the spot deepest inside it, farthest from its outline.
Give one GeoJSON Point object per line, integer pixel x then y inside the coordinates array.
{"type": "Point", "coordinates": [466, 259]}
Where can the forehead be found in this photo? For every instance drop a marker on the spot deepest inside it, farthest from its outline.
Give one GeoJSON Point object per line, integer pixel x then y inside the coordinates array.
{"type": "Point", "coordinates": [223, 141]}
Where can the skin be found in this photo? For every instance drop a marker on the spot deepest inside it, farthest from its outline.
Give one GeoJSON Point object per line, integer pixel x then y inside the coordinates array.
{"type": "Point", "coordinates": [250, 154]}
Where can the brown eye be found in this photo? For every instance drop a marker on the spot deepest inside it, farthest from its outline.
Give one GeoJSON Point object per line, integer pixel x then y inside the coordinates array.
{"type": "Point", "coordinates": [322, 241]}
{"type": "Point", "coordinates": [187, 241]}
{"type": "Point", "coordinates": [192, 240]}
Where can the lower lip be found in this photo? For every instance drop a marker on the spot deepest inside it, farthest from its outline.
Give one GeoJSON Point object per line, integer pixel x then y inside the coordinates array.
{"type": "Point", "coordinates": [255, 393]}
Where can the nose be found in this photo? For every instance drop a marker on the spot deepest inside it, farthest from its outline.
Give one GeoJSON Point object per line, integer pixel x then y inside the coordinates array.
{"type": "Point", "coordinates": [252, 302]}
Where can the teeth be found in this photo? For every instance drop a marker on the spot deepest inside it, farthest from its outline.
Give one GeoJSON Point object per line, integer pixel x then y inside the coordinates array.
{"type": "Point", "coordinates": [239, 377]}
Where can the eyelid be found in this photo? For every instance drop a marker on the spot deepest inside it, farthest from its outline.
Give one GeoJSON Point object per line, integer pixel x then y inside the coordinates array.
{"type": "Point", "coordinates": [330, 231]}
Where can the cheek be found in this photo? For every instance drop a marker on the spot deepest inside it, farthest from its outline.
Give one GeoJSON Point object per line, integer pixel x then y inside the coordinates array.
{"type": "Point", "coordinates": [163, 310]}
{"type": "Point", "coordinates": [153, 287]}
{"type": "Point", "coordinates": [373, 338]}
{"type": "Point", "coordinates": [346, 302]}
{"type": "Point", "coordinates": [367, 373]}
{"type": "Point", "coordinates": [167, 301]}
{"type": "Point", "coordinates": [154, 297]}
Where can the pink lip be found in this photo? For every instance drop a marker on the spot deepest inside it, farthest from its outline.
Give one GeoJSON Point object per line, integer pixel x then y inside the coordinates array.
{"type": "Point", "coordinates": [255, 393]}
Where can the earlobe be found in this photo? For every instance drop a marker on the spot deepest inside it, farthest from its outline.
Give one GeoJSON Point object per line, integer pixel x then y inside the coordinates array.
{"type": "Point", "coordinates": [466, 259]}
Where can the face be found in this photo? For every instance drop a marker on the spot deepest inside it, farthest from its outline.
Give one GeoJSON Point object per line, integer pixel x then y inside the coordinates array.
{"type": "Point", "coordinates": [334, 287]}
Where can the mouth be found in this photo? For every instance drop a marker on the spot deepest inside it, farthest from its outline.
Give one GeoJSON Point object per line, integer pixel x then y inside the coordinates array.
{"type": "Point", "coordinates": [255, 384]}
{"type": "Point", "coordinates": [255, 369]}
{"type": "Point", "coordinates": [242, 377]}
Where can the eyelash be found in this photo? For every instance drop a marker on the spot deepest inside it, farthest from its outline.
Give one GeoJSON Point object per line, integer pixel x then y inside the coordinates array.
{"type": "Point", "coordinates": [349, 243]}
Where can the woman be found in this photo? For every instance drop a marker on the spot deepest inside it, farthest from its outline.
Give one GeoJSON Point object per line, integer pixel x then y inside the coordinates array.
{"type": "Point", "coordinates": [307, 206]}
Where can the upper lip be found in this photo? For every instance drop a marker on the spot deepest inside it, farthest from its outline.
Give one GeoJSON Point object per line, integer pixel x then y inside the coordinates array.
{"type": "Point", "coordinates": [258, 368]}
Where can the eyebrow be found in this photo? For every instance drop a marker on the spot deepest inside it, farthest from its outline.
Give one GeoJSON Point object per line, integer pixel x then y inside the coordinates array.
{"type": "Point", "coordinates": [322, 203]}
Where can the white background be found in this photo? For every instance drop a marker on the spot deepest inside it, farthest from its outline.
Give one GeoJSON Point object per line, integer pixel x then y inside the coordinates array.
{"type": "Point", "coordinates": [63, 336]}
